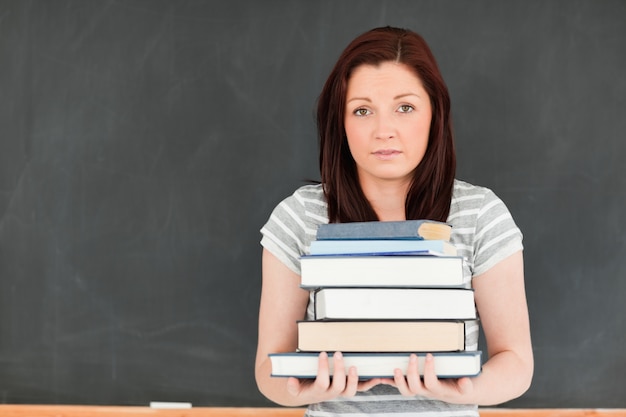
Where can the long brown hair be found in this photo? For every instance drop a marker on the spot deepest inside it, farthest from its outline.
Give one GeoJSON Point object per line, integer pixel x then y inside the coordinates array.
{"type": "Point", "coordinates": [431, 189]}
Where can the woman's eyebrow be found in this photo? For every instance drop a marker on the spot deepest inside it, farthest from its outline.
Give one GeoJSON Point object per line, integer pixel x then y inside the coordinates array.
{"type": "Point", "coordinates": [359, 98]}
{"type": "Point", "coordinates": [399, 96]}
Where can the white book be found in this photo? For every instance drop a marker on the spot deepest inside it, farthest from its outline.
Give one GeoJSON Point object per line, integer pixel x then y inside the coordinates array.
{"type": "Point", "coordinates": [394, 304]}
{"type": "Point", "coordinates": [381, 271]}
{"type": "Point", "coordinates": [377, 365]}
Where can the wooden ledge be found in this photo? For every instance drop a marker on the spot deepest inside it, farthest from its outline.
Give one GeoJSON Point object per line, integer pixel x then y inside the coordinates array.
{"type": "Point", "coordinates": [115, 411]}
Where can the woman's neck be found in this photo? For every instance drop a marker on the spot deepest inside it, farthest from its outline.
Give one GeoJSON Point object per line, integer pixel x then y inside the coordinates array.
{"type": "Point", "coordinates": [387, 199]}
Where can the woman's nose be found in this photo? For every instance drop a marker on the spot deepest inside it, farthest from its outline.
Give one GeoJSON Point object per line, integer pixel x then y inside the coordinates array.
{"type": "Point", "coordinates": [385, 127]}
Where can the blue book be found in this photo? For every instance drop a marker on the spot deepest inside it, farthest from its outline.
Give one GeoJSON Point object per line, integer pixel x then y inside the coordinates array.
{"type": "Point", "coordinates": [382, 247]}
{"type": "Point", "coordinates": [407, 229]}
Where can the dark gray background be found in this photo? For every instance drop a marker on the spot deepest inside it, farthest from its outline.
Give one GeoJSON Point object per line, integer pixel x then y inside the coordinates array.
{"type": "Point", "coordinates": [144, 143]}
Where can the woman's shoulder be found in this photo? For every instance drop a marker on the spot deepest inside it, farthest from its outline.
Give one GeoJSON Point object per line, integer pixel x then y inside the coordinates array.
{"type": "Point", "coordinates": [463, 189]}
{"type": "Point", "coordinates": [309, 195]}
{"type": "Point", "coordinates": [483, 226]}
{"type": "Point", "coordinates": [471, 201]}
{"type": "Point", "coordinates": [466, 195]}
{"type": "Point", "coordinates": [310, 192]}
{"type": "Point", "coordinates": [307, 201]}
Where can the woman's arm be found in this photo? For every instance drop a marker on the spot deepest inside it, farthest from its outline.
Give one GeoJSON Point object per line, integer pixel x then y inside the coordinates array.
{"type": "Point", "coordinates": [283, 303]}
{"type": "Point", "coordinates": [501, 302]}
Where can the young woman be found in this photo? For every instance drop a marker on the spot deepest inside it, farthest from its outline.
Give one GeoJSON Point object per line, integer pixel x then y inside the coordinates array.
{"type": "Point", "coordinates": [387, 153]}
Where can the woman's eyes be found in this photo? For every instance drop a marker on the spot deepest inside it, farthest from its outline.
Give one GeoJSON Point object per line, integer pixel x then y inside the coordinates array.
{"type": "Point", "coordinates": [362, 112]}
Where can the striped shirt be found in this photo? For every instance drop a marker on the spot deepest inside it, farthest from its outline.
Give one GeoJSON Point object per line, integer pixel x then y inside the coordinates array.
{"type": "Point", "coordinates": [483, 232]}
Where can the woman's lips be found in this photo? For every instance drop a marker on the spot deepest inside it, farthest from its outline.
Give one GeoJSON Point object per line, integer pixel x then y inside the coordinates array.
{"type": "Point", "coordinates": [386, 154]}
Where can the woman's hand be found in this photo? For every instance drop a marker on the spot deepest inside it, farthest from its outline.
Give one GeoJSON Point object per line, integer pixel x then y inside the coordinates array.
{"type": "Point", "coordinates": [342, 383]}
{"type": "Point", "coordinates": [283, 303]}
{"type": "Point", "coordinates": [458, 391]}
{"type": "Point", "coordinates": [501, 303]}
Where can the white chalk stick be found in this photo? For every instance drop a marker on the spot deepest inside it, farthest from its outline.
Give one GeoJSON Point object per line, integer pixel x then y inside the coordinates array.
{"type": "Point", "coordinates": [169, 405]}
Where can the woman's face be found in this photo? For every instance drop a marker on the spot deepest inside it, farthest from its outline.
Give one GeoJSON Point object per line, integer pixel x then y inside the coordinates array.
{"type": "Point", "coordinates": [387, 121]}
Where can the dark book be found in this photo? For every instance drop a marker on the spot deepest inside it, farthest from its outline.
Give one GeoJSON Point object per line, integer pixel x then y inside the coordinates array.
{"type": "Point", "coordinates": [407, 229]}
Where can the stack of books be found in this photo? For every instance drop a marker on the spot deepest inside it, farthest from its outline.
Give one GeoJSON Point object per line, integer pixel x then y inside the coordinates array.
{"type": "Point", "coordinates": [384, 290]}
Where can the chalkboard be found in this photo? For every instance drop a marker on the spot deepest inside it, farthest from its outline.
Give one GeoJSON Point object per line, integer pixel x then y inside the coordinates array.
{"type": "Point", "coordinates": [144, 143]}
